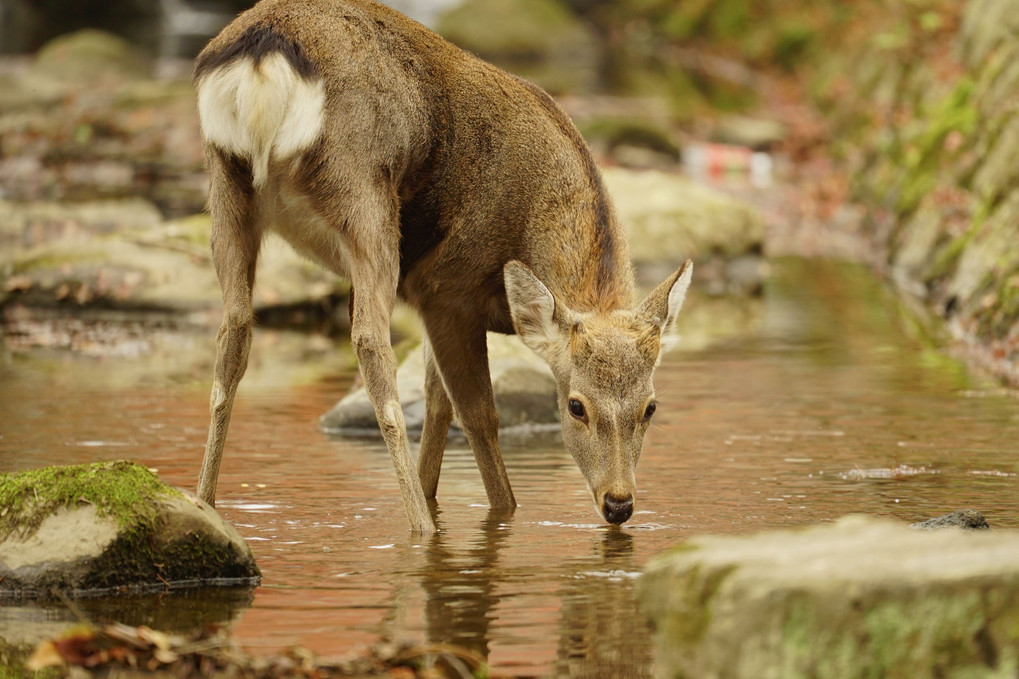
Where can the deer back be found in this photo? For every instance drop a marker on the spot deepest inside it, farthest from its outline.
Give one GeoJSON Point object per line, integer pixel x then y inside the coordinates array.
{"type": "Point", "coordinates": [486, 168]}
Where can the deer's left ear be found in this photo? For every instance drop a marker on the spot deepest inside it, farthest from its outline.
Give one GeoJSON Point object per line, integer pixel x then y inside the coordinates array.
{"type": "Point", "coordinates": [661, 307]}
{"type": "Point", "coordinates": [536, 317]}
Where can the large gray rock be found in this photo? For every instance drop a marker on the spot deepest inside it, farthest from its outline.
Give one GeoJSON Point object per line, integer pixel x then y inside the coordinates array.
{"type": "Point", "coordinates": [122, 253]}
{"type": "Point", "coordinates": [525, 393]}
{"type": "Point", "coordinates": [669, 218]}
{"type": "Point", "coordinates": [857, 598]}
{"type": "Point", "coordinates": [111, 526]}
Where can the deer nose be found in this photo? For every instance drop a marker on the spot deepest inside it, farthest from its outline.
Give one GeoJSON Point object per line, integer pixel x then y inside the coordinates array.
{"type": "Point", "coordinates": [618, 510]}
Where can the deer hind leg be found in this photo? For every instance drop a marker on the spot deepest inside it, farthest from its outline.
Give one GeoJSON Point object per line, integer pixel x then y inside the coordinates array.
{"type": "Point", "coordinates": [374, 273]}
{"type": "Point", "coordinates": [461, 355]}
{"type": "Point", "coordinates": [236, 238]}
{"type": "Point", "coordinates": [438, 415]}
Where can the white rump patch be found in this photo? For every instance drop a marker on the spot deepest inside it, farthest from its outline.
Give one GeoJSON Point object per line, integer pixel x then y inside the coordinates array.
{"type": "Point", "coordinates": [260, 111]}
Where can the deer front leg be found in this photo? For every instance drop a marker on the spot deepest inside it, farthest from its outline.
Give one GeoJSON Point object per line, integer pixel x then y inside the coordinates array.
{"type": "Point", "coordinates": [461, 354]}
{"type": "Point", "coordinates": [375, 280]}
{"type": "Point", "coordinates": [438, 415]}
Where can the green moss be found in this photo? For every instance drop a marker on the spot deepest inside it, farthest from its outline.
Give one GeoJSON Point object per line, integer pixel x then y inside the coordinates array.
{"type": "Point", "coordinates": [90, 54]}
{"type": "Point", "coordinates": [123, 490]}
{"type": "Point", "coordinates": [1006, 311]}
{"type": "Point", "coordinates": [922, 154]}
{"type": "Point", "coordinates": [996, 319]}
{"type": "Point", "coordinates": [947, 256]}
{"type": "Point", "coordinates": [937, 634]}
{"type": "Point", "coordinates": [935, 631]}
{"type": "Point", "coordinates": [809, 647]}
{"type": "Point", "coordinates": [688, 615]}
{"type": "Point", "coordinates": [792, 42]}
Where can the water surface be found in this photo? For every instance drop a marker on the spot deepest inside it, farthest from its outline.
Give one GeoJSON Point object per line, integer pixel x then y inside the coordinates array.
{"type": "Point", "coordinates": [818, 400]}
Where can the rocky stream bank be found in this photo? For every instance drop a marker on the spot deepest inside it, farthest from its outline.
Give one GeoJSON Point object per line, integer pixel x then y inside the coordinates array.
{"type": "Point", "coordinates": [923, 110]}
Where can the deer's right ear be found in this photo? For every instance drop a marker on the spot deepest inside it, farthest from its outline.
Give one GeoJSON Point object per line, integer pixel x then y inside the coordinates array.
{"type": "Point", "coordinates": [532, 307]}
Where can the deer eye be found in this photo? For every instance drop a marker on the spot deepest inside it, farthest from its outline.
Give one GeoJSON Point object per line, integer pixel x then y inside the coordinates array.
{"type": "Point", "coordinates": [577, 410]}
{"type": "Point", "coordinates": [650, 410]}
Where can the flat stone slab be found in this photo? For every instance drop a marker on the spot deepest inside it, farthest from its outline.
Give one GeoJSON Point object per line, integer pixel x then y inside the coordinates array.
{"type": "Point", "coordinates": [122, 254]}
{"type": "Point", "coordinates": [857, 598]}
{"type": "Point", "coordinates": [111, 527]}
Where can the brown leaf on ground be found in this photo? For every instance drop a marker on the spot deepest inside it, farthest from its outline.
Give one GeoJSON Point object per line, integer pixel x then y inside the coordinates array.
{"type": "Point", "coordinates": [210, 650]}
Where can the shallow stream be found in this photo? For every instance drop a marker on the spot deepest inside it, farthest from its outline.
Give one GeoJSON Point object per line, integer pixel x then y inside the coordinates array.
{"type": "Point", "coordinates": [820, 399]}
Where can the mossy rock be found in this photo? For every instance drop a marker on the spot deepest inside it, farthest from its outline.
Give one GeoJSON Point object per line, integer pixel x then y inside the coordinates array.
{"type": "Point", "coordinates": [111, 527]}
{"type": "Point", "coordinates": [988, 254]}
{"type": "Point", "coordinates": [855, 599]}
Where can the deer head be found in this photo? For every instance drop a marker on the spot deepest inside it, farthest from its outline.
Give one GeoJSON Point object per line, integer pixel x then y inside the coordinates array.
{"type": "Point", "coordinates": [602, 363]}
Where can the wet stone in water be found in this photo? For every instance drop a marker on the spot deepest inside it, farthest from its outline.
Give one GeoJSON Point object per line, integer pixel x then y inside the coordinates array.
{"type": "Point", "coordinates": [966, 519]}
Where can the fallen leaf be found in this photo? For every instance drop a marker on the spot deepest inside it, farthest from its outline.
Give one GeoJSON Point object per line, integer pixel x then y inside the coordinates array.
{"type": "Point", "coordinates": [45, 655]}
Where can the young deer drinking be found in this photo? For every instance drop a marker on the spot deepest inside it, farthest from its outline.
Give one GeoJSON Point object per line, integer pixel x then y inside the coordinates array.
{"type": "Point", "coordinates": [395, 159]}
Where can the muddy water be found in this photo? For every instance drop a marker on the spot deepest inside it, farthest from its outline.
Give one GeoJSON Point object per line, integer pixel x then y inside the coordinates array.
{"type": "Point", "coordinates": [819, 400]}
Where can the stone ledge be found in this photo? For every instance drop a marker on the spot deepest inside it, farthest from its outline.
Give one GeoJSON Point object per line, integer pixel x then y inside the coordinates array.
{"type": "Point", "coordinates": [857, 598]}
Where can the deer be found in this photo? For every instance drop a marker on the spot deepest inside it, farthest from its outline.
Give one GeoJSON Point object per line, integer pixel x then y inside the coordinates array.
{"type": "Point", "coordinates": [418, 171]}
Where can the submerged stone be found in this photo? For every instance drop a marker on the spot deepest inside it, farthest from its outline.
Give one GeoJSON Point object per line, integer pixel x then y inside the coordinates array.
{"type": "Point", "coordinates": [111, 527]}
{"type": "Point", "coordinates": [966, 519]}
{"type": "Point", "coordinates": [857, 598]}
{"type": "Point", "coordinates": [525, 392]}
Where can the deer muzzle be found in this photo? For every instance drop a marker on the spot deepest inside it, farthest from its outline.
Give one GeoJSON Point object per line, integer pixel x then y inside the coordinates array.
{"type": "Point", "coordinates": [617, 509]}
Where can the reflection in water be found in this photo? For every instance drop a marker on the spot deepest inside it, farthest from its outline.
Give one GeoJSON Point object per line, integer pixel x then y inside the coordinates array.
{"type": "Point", "coordinates": [26, 623]}
{"type": "Point", "coordinates": [809, 404]}
{"type": "Point", "coordinates": [460, 585]}
{"type": "Point", "coordinates": [595, 641]}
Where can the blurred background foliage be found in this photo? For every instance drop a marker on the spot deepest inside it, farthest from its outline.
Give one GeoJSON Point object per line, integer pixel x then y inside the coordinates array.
{"type": "Point", "coordinates": [905, 109]}
{"type": "Point", "coordinates": [637, 70]}
{"type": "Point", "coordinates": [696, 53]}
{"type": "Point", "coordinates": [632, 73]}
